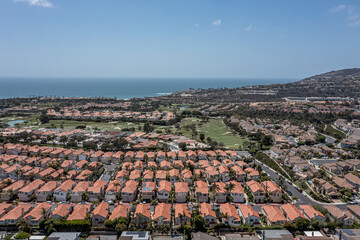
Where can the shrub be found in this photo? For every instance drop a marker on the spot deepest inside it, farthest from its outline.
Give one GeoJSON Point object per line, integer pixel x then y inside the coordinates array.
{"type": "Point", "coordinates": [22, 235]}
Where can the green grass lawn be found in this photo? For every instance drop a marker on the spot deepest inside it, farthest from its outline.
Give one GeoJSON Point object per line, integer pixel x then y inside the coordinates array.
{"type": "Point", "coordinates": [215, 129]}
{"type": "Point", "coordinates": [334, 132]}
{"type": "Point", "coordinates": [33, 123]}
{"type": "Point", "coordinates": [31, 120]}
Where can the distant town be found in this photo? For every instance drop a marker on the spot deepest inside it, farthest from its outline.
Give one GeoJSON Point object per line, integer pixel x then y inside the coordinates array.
{"type": "Point", "coordinates": [233, 164]}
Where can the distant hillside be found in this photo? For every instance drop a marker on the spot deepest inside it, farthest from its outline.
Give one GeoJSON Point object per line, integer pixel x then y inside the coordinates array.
{"type": "Point", "coordinates": [341, 83]}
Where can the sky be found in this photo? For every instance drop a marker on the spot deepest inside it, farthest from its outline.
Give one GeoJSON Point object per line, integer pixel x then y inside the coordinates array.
{"type": "Point", "coordinates": [178, 38]}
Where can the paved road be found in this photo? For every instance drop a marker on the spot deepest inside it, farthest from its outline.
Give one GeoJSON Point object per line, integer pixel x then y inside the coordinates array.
{"type": "Point", "coordinates": [303, 199]}
{"type": "Point", "coordinates": [106, 176]}
{"type": "Point", "coordinates": [275, 177]}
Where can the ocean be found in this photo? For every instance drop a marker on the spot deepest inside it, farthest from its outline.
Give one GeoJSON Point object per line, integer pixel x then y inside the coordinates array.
{"type": "Point", "coordinates": [122, 88]}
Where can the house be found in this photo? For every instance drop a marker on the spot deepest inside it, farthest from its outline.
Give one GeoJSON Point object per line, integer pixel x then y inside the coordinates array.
{"type": "Point", "coordinates": [276, 235]}
{"type": "Point", "coordinates": [165, 165]}
{"type": "Point", "coordinates": [202, 236]}
{"type": "Point", "coordinates": [84, 175]}
{"type": "Point", "coordinates": [164, 191]}
{"type": "Point", "coordinates": [212, 174]}
{"type": "Point", "coordinates": [345, 217]}
{"type": "Point", "coordinates": [119, 211]}
{"type": "Point", "coordinates": [80, 212]}
{"type": "Point", "coordinates": [325, 187]}
{"type": "Point", "coordinates": [352, 179]}
{"type": "Point", "coordinates": [79, 189]}
{"type": "Point", "coordinates": [240, 173]}
{"type": "Point", "coordinates": [220, 192]}
{"type": "Point", "coordinates": [342, 183]}
{"type": "Point", "coordinates": [113, 190]}
{"type": "Point", "coordinates": [8, 192]}
{"type": "Point", "coordinates": [148, 176]}
{"type": "Point", "coordinates": [202, 191]}
{"type": "Point", "coordinates": [273, 214]}
{"type": "Point", "coordinates": [5, 208]}
{"type": "Point", "coordinates": [61, 211]}
{"type": "Point", "coordinates": [249, 215]}
{"type": "Point", "coordinates": [181, 191]}
{"type": "Point", "coordinates": [29, 191]}
{"type": "Point", "coordinates": [291, 212]}
{"type": "Point", "coordinates": [96, 157]}
{"type": "Point", "coordinates": [207, 213]}
{"type": "Point", "coordinates": [311, 213]}
{"type": "Point", "coordinates": [224, 172]}
{"type": "Point", "coordinates": [38, 213]}
{"type": "Point", "coordinates": [355, 210]}
{"type": "Point", "coordinates": [135, 235]}
{"type": "Point", "coordinates": [46, 191]}
{"type": "Point", "coordinates": [161, 156]}
{"type": "Point", "coordinates": [129, 156]}
{"type": "Point", "coordinates": [64, 236]}
{"type": "Point", "coordinates": [16, 214]}
{"type": "Point", "coordinates": [174, 175]}
{"type": "Point", "coordinates": [347, 234]}
{"type": "Point", "coordinates": [256, 190]}
{"type": "Point", "coordinates": [182, 214]}
{"type": "Point", "coordinates": [162, 214]}
{"type": "Point", "coordinates": [274, 192]}
{"type": "Point", "coordinates": [100, 214]}
{"type": "Point", "coordinates": [160, 175]}
{"type": "Point", "coordinates": [128, 193]}
{"type": "Point", "coordinates": [117, 157]}
{"type": "Point", "coordinates": [96, 191]}
{"type": "Point", "coordinates": [230, 214]}
{"type": "Point", "coordinates": [107, 157]}
{"type": "Point", "coordinates": [142, 214]}
{"type": "Point", "coordinates": [187, 176]}
{"type": "Point", "coordinates": [237, 192]}
{"type": "Point", "coordinates": [61, 193]}
{"type": "Point", "coordinates": [148, 191]}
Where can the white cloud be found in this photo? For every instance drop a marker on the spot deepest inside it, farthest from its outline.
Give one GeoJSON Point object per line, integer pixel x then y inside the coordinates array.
{"type": "Point", "coordinates": [196, 25]}
{"type": "Point", "coordinates": [40, 3]}
{"type": "Point", "coordinates": [216, 22]}
{"type": "Point", "coordinates": [352, 13]}
{"type": "Point", "coordinates": [338, 8]}
{"type": "Point", "coordinates": [354, 23]}
{"type": "Point", "coordinates": [250, 28]}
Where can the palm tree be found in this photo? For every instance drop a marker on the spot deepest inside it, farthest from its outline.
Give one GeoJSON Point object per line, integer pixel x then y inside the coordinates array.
{"type": "Point", "coordinates": [85, 196]}
{"type": "Point", "coordinates": [49, 226]}
{"type": "Point", "coordinates": [24, 226]}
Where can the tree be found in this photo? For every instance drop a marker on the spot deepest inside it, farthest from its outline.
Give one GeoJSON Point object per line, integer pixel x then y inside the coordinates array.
{"type": "Point", "coordinates": [90, 145]}
{"type": "Point", "coordinates": [266, 140]}
{"type": "Point", "coordinates": [84, 196]}
{"type": "Point", "coordinates": [302, 224]}
{"type": "Point", "coordinates": [24, 226]}
{"type": "Point", "coordinates": [120, 143]}
{"type": "Point", "coordinates": [187, 231]}
{"type": "Point", "coordinates": [199, 223]}
{"type": "Point", "coordinates": [182, 145]}
{"type": "Point", "coordinates": [44, 118]}
{"type": "Point", "coordinates": [120, 227]}
{"type": "Point", "coordinates": [63, 139]}
{"type": "Point", "coordinates": [148, 128]}
{"type": "Point", "coordinates": [202, 137]}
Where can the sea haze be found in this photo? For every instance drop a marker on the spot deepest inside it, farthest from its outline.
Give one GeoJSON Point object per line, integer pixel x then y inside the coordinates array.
{"type": "Point", "coordinates": [120, 88]}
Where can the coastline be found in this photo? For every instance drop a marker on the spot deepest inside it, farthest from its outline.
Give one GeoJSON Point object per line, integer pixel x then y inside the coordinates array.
{"type": "Point", "coordinates": [117, 88]}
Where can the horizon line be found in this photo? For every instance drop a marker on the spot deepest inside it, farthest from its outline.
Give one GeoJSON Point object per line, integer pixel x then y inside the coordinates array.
{"type": "Point", "coordinates": [69, 77]}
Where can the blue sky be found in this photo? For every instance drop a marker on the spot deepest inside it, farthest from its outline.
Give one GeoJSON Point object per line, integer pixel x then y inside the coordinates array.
{"type": "Point", "coordinates": [178, 38]}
